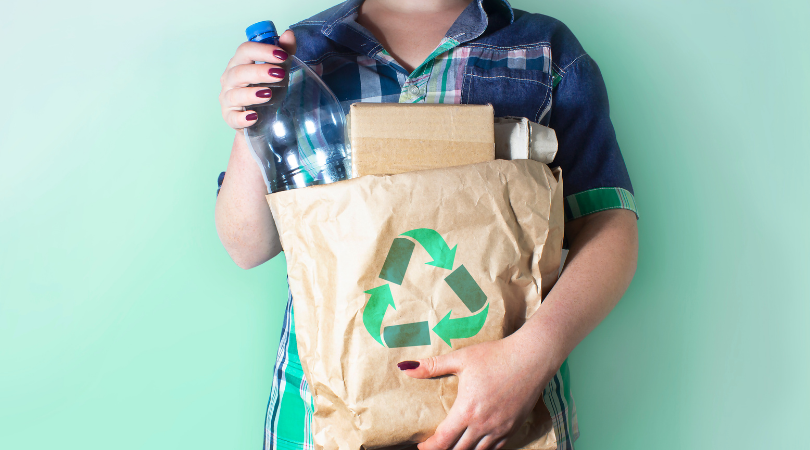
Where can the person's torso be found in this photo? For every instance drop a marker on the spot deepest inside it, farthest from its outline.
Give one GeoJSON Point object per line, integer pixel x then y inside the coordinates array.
{"type": "Point", "coordinates": [492, 54]}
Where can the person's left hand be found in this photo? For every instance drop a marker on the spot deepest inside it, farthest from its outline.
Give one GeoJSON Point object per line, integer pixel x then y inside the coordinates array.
{"type": "Point", "coordinates": [499, 384]}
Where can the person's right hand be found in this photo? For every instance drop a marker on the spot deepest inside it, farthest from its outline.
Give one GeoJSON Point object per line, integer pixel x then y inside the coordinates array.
{"type": "Point", "coordinates": [241, 72]}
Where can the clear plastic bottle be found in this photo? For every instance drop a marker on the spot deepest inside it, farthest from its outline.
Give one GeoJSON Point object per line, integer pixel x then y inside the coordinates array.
{"type": "Point", "coordinates": [299, 138]}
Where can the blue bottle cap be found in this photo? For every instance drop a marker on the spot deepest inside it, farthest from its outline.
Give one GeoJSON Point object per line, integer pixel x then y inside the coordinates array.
{"type": "Point", "coordinates": [260, 31]}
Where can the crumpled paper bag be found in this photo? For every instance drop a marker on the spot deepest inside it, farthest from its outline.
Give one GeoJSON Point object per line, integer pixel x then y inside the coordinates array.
{"type": "Point", "coordinates": [387, 268]}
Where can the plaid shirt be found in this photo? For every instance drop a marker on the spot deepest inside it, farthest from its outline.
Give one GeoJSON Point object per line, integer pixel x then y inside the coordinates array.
{"type": "Point", "coordinates": [526, 65]}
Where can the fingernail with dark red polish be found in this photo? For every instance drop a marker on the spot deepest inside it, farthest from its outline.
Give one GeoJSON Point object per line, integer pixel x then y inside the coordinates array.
{"type": "Point", "coordinates": [276, 72]}
{"type": "Point", "coordinates": [408, 365]}
{"type": "Point", "coordinates": [252, 116]}
{"type": "Point", "coordinates": [280, 54]}
{"type": "Point", "coordinates": [264, 93]}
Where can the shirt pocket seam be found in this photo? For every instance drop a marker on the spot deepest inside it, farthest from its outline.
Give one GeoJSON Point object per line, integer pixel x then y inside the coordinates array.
{"type": "Point", "coordinates": [512, 78]}
{"type": "Point", "coordinates": [509, 73]}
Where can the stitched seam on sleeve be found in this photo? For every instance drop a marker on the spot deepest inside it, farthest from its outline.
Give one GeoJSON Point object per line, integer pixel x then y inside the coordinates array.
{"type": "Point", "coordinates": [573, 62]}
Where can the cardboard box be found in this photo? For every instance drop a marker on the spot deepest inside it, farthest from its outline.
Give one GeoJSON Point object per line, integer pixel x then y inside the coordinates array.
{"type": "Point", "coordinates": [392, 138]}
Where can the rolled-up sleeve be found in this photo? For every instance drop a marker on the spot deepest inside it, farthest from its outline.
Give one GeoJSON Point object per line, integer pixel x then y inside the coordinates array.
{"type": "Point", "coordinates": [595, 176]}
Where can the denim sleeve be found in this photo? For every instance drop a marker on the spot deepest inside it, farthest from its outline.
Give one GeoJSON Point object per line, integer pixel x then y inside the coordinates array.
{"type": "Point", "coordinates": [594, 174]}
{"type": "Point", "coordinates": [219, 182]}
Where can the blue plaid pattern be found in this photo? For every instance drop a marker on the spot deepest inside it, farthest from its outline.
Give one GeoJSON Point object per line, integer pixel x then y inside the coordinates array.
{"type": "Point", "coordinates": [524, 64]}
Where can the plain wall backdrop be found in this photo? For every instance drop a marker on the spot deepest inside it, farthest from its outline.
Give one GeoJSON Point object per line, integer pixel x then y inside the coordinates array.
{"type": "Point", "coordinates": [124, 324]}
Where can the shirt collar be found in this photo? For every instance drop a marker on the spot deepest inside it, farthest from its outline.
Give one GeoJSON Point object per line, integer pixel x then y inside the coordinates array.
{"type": "Point", "coordinates": [480, 16]}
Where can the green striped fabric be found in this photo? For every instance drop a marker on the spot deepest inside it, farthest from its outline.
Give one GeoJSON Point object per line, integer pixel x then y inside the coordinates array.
{"type": "Point", "coordinates": [600, 199]}
{"type": "Point", "coordinates": [288, 425]}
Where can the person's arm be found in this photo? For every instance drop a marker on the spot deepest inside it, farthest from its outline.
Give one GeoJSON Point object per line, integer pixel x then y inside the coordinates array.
{"type": "Point", "coordinates": [501, 381]}
{"type": "Point", "coordinates": [243, 219]}
{"type": "Point", "coordinates": [600, 265]}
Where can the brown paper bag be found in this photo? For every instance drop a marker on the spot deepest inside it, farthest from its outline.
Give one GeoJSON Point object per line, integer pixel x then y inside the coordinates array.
{"type": "Point", "coordinates": [387, 268]}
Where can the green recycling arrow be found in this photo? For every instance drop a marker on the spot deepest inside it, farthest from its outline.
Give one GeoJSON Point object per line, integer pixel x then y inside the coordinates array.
{"type": "Point", "coordinates": [459, 280]}
{"type": "Point", "coordinates": [375, 309]}
{"type": "Point", "coordinates": [464, 327]}
{"type": "Point", "coordinates": [436, 247]}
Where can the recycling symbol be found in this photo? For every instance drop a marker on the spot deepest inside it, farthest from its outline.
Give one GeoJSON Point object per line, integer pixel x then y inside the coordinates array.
{"type": "Point", "coordinates": [459, 280]}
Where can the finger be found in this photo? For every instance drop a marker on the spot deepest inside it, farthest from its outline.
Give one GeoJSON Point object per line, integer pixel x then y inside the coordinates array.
{"type": "Point", "coordinates": [247, 74]}
{"type": "Point", "coordinates": [250, 52]}
{"type": "Point", "coordinates": [451, 428]}
{"type": "Point", "coordinates": [468, 440]}
{"type": "Point", "coordinates": [287, 42]}
{"type": "Point", "coordinates": [500, 444]}
{"type": "Point", "coordinates": [486, 443]}
{"type": "Point", "coordinates": [446, 435]}
{"type": "Point", "coordinates": [240, 119]}
{"type": "Point", "coordinates": [237, 98]}
{"type": "Point", "coordinates": [434, 366]}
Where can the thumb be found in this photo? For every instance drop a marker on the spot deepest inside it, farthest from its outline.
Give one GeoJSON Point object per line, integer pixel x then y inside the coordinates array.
{"type": "Point", "coordinates": [432, 367]}
{"type": "Point", "coordinates": [287, 42]}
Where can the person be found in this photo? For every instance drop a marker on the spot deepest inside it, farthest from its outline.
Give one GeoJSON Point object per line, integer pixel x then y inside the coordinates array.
{"type": "Point", "coordinates": [454, 51]}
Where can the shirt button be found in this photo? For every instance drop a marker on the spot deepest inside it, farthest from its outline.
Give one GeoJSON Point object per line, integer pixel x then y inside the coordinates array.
{"type": "Point", "coordinates": [414, 89]}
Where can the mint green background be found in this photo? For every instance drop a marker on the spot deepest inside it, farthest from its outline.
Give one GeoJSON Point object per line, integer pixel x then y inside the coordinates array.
{"type": "Point", "coordinates": [124, 324]}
